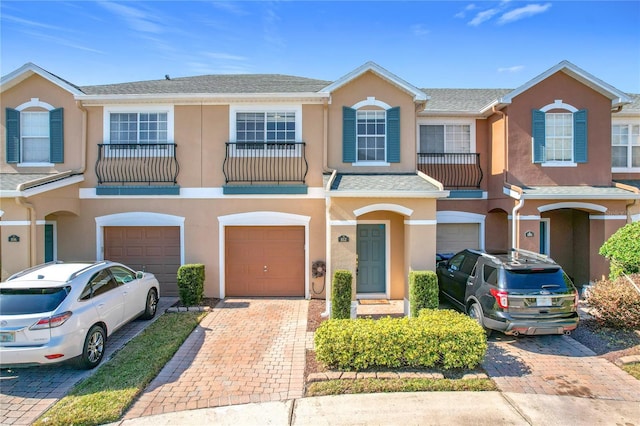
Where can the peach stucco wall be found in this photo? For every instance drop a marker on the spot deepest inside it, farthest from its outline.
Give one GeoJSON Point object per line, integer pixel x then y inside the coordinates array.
{"type": "Point", "coordinates": [37, 87]}
{"type": "Point", "coordinates": [366, 86]}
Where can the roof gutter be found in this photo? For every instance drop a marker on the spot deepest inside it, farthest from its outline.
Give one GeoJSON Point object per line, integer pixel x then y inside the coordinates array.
{"type": "Point", "coordinates": [635, 202]}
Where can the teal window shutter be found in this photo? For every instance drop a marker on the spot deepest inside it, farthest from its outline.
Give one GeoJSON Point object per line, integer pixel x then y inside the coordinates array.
{"type": "Point", "coordinates": [580, 136]}
{"type": "Point", "coordinates": [56, 135]}
{"type": "Point", "coordinates": [537, 130]}
{"type": "Point", "coordinates": [13, 135]}
{"type": "Point", "coordinates": [393, 135]}
{"type": "Point", "coordinates": [348, 135]}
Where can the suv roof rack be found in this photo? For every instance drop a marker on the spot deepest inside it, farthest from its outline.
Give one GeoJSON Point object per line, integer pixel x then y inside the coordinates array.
{"type": "Point", "coordinates": [80, 271]}
{"type": "Point", "coordinates": [543, 258]}
{"type": "Point", "coordinates": [33, 268]}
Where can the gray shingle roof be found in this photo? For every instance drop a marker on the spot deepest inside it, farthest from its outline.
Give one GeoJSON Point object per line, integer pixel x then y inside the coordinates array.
{"type": "Point", "coordinates": [10, 181]}
{"type": "Point", "coordinates": [380, 184]}
{"type": "Point", "coordinates": [231, 83]}
{"type": "Point", "coordinates": [634, 106]}
{"type": "Point", "coordinates": [467, 100]}
{"type": "Point", "coordinates": [581, 191]}
{"type": "Point", "coordinates": [630, 182]}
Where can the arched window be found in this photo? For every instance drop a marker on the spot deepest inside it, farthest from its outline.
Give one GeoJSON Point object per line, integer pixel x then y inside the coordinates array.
{"type": "Point", "coordinates": [559, 135]}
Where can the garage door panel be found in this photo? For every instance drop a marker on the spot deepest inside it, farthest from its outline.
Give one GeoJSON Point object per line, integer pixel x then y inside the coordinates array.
{"type": "Point", "coordinates": [453, 237]}
{"type": "Point", "coordinates": [249, 249]}
{"type": "Point", "coordinates": [154, 249]}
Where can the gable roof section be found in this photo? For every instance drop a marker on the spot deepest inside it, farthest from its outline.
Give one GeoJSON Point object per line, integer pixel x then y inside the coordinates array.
{"type": "Point", "coordinates": [418, 95]}
{"type": "Point", "coordinates": [617, 97]}
{"type": "Point", "coordinates": [27, 70]}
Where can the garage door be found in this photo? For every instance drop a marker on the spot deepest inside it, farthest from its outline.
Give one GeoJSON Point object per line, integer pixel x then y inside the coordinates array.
{"type": "Point", "coordinates": [453, 237]}
{"type": "Point", "coordinates": [264, 261]}
{"type": "Point", "coordinates": [153, 249]}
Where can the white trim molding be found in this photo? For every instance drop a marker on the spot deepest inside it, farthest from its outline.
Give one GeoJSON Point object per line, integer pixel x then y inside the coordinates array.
{"type": "Point", "coordinates": [35, 103]}
{"type": "Point", "coordinates": [607, 217]}
{"type": "Point", "coordinates": [137, 219]}
{"type": "Point", "coordinates": [558, 104]}
{"type": "Point", "coordinates": [371, 101]}
{"type": "Point", "coordinates": [570, 205]}
{"type": "Point", "coordinates": [421, 222]}
{"type": "Point", "coordinates": [261, 218]}
{"type": "Point", "coordinates": [396, 208]}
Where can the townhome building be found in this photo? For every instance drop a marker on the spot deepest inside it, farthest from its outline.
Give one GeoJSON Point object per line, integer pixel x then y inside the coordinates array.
{"type": "Point", "coordinates": [273, 182]}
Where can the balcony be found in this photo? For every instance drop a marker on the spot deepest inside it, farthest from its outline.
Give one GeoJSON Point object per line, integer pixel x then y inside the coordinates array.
{"type": "Point", "coordinates": [455, 171]}
{"type": "Point", "coordinates": [137, 169]}
{"type": "Point", "coordinates": [265, 168]}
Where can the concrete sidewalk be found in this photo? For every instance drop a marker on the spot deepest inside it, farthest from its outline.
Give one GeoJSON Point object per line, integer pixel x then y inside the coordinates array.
{"type": "Point", "coordinates": [418, 408]}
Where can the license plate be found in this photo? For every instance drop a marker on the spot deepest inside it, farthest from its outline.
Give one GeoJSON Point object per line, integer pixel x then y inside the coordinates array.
{"type": "Point", "coordinates": [544, 301]}
{"type": "Point", "coordinates": [7, 336]}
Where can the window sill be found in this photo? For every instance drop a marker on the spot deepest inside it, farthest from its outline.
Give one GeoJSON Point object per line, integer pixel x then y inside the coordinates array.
{"type": "Point", "coordinates": [559, 164]}
{"type": "Point", "coordinates": [625, 170]}
{"type": "Point", "coordinates": [371, 163]}
{"type": "Point", "coordinates": [36, 165]}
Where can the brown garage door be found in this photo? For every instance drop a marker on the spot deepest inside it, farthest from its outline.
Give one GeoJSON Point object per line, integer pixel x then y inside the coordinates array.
{"type": "Point", "coordinates": [264, 261]}
{"type": "Point", "coordinates": [154, 249]}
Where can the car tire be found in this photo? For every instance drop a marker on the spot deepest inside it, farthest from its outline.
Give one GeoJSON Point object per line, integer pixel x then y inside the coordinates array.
{"type": "Point", "coordinates": [93, 349]}
{"type": "Point", "coordinates": [151, 306]}
{"type": "Point", "coordinates": [475, 312]}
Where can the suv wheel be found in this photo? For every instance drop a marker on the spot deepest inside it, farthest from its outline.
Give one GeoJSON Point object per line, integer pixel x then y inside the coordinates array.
{"type": "Point", "coordinates": [93, 349]}
{"type": "Point", "coordinates": [475, 312]}
{"type": "Point", "coordinates": [151, 306]}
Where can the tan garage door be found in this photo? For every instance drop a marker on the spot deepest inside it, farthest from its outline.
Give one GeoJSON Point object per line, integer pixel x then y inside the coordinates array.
{"type": "Point", "coordinates": [153, 249]}
{"type": "Point", "coordinates": [453, 237]}
{"type": "Point", "coordinates": [264, 261]}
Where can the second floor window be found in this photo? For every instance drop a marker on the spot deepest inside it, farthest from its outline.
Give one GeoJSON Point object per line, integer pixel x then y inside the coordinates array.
{"type": "Point", "coordinates": [35, 136]}
{"type": "Point", "coordinates": [625, 150]}
{"type": "Point", "coordinates": [138, 128]}
{"type": "Point", "coordinates": [445, 138]}
{"type": "Point", "coordinates": [259, 129]}
{"type": "Point", "coordinates": [559, 136]}
{"type": "Point", "coordinates": [371, 135]}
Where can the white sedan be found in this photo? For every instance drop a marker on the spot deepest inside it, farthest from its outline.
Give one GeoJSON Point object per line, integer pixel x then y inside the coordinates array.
{"type": "Point", "coordinates": [61, 311]}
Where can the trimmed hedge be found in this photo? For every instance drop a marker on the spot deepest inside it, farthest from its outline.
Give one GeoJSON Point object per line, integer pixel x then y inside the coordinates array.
{"type": "Point", "coordinates": [436, 338]}
{"type": "Point", "coordinates": [341, 294]}
{"type": "Point", "coordinates": [191, 284]}
{"type": "Point", "coordinates": [423, 291]}
{"type": "Point", "coordinates": [616, 303]}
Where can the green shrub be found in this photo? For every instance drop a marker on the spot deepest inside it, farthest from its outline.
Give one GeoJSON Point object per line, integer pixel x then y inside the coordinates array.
{"type": "Point", "coordinates": [616, 303]}
{"type": "Point", "coordinates": [435, 338]}
{"type": "Point", "coordinates": [423, 291]}
{"type": "Point", "coordinates": [191, 284]}
{"type": "Point", "coordinates": [623, 250]}
{"type": "Point", "coordinates": [341, 294]}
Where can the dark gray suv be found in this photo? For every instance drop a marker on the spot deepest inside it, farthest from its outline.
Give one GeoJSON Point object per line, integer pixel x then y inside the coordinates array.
{"type": "Point", "coordinates": [518, 292]}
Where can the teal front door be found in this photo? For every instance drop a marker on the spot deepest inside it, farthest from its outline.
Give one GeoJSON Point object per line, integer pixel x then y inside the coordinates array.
{"type": "Point", "coordinates": [48, 243]}
{"type": "Point", "coordinates": [371, 273]}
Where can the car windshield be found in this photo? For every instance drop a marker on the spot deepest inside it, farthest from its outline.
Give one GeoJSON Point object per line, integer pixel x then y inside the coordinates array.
{"type": "Point", "coordinates": [535, 279]}
{"type": "Point", "coordinates": [21, 301]}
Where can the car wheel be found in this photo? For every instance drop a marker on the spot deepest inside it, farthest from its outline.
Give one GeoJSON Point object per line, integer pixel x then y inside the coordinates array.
{"type": "Point", "coordinates": [152, 305]}
{"type": "Point", "coordinates": [93, 349]}
{"type": "Point", "coordinates": [475, 312]}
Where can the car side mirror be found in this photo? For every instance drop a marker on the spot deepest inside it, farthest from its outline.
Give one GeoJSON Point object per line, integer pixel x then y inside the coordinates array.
{"type": "Point", "coordinates": [139, 275]}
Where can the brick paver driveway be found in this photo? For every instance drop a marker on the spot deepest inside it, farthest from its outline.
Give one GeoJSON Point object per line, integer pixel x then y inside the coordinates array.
{"type": "Point", "coordinates": [556, 365]}
{"type": "Point", "coordinates": [245, 350]}
{"type": "Point", "coordinates": [26, 393]}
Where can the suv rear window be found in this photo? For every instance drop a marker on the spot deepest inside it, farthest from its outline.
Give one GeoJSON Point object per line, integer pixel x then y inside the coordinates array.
{"type": "Point", "coordinates": [534, 279]}
{"type": "Point", "coordinates": [21, 301]}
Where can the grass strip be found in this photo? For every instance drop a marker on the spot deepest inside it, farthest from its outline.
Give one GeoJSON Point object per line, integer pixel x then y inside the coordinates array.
{"type": "Point", "coordinates": [633, 369]}
{"type": "Point", "coordinates": [106, 395]}
{"type": "Point", "coordinates": [338, 387]}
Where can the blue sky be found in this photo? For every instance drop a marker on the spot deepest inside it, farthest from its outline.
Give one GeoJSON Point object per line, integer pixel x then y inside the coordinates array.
{"type": "Point", "coordinates": [459, 44]}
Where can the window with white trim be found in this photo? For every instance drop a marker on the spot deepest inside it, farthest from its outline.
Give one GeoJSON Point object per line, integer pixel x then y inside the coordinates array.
{"type": "Point", "coordinates": [34, 134]}
{"type": "Point", "coordinates": [625, 149]}
{"type": "Point", "coordinates": [445, 138]}
{"type": "Point", "coordinates": [260, 130]}
{"type": "Point", "coordinates": [559, 136]}
{"type": "Point", "coordinates": [138, 128]}
{"type": "Point", "coordinates": [371, 135]}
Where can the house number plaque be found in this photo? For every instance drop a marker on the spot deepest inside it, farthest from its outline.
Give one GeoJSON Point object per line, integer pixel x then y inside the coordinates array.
{"type": "Point", "coordinates": [343, 239]}
{"type": "Point", "coordinates": [14, 239]}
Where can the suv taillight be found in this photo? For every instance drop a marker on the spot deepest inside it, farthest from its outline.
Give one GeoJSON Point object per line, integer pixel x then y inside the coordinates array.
{"type": "Point", "coordinates": [502, 297]}
{"type": "Point", "coordinates": [51, 322]}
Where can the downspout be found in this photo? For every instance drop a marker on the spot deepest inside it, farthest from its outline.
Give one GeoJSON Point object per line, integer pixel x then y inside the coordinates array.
{"type": "Point", "coordinates": [83, 148]}
{"type": "Point", "coordinates": [634, 202]}
{"type": "Point", "coordinates": [327, 218]}
{"type": "Point", "coordinates": [514, 223]}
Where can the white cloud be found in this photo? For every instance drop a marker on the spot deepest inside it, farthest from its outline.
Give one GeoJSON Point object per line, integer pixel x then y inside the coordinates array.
{"type": "Point", "coordinates": [483, 16]}
{"type": "Point", "coordinates": [137, 19]}
{"type": "Point", "coordinates": [516, 68]}
{"type": "Point", "coordinates": [464, 11]}
{"type": "Point", "coordinates": [29, 23]}
{"type": "Point", "coordinates": [419, 30]}
{"type": "Point", "coordinates": [523, 12]}
{"type": "Point", "coordinates": [224, 56]}
{"type": "Point", "coordinates": [61, 41]}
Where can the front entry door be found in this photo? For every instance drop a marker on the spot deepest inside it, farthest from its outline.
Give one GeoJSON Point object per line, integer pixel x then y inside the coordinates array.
{"type": "Point", "coordinates": [371, 272]}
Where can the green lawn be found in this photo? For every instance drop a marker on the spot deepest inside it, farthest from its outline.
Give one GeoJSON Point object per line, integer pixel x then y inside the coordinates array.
{"type": "Point", "coordinates": [337, 387]}
{"type": "Point", "coordinates": [106, 395]}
